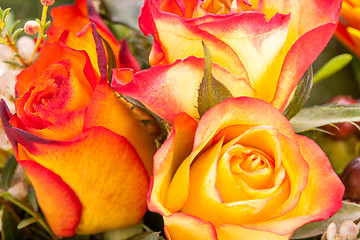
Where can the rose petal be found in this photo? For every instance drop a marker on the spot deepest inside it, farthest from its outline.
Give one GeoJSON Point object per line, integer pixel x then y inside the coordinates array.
{"type": "Point", "coordinates": [175, 39]}
{"type": "Point", "coordinates": [240, 111]}
{"type": "Point", "coordinates": [75, 17]}
{"type": "Point", "coordinates": [112, 186]}
{"type": "Point", "coordinates": [61, 207]}
{"type": "Point", "coordinates": [228, 232]}
{"type": "Point", "coordinates": [107, 110]}
{"type": "Point", "coordinates": [158, 87]}
{"type": "Point", "coordinates": [181, 226]}
{"type": "Point", "coordinates": [295, 57]}
{"type": "Point", "coordinates": [80, 61]}
{"type": "Point", "coordinates": [166, 162]}
{"type": "Point", "coordinates": [311, 206]}
{"type": "Point", "coordinates": [252, 40]}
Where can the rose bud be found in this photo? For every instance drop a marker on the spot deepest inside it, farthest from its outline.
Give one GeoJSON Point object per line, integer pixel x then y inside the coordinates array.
{"type": "Point", "coordinates": [47, 2]}
{"type": "Point", "coordinates": [345, 129]}
{"type": "Point", "coordinates": [32, 27]}
{"type": "Point", "coordinates": [351, 180]}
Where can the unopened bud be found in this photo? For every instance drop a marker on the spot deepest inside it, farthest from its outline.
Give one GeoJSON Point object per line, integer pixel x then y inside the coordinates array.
{"type": "Point", "coordinates": [47, 2]}
{"type": "Point", "coordinates": [351, 179]}
{"type": "Point", "coordinates": [32, 27]}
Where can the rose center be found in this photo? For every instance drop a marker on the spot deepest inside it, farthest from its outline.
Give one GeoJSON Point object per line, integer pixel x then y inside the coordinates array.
{"type": "Point", "coordinates": [225, 7]}
{"type": "Point", "coordinates": [251, 166]}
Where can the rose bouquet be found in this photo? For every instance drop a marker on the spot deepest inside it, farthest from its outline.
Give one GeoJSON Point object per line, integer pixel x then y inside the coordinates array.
{"type": "Point", "coordinates": [198, 132]}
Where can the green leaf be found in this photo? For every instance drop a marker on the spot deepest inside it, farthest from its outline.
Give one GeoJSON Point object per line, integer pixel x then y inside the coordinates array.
{"type": "Point", "coordinates": [313, 117]}
{"type": "Point", "coordinates": [5, 13]}
{"type": "Point", "coordinates": [111, 59]}
{"type": "Point", "coordinates": [13, 63]}
{"type": "Point", "coordinates": [14, 26]}
{"type": "Point", "coordinates": [26, 222]}
{"type": "Point", "coordinates": [332, 66]}
{"type": "Point", "coordinates": [16, 33]}
{"type": "Point", "coordinates": [8, 172]}
{"type": "Point", "coordinates": [349, 211]}
{"type": "Point", "coordinates": [302, 94]}
{"type": "Point", "coordinates": [9, 229]}
{"type": "Point", "coordinates": [211, 90]}
{"type": "Point", "coordinates": [32, 199]}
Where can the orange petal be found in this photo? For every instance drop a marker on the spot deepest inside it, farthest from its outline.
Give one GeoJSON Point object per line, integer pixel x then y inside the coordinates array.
{"type": "Point", "coordinates": [54, 53]}
{"type": "Point", "coordinates": [103, 170]}
{"type": "Point", "coordinates": [62, 207]}
{"type": "Point", "coordinates": [111, 112]}
{"type": "Point", "coordinates": [75, 17]}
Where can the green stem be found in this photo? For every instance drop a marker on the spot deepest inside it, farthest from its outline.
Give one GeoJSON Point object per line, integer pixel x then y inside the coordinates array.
{"type": "Point", "coordinates": [41, 32]}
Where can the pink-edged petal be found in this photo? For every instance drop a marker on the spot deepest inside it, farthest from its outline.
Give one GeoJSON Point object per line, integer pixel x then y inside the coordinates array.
{"type": "Point", "coordinates": [169, 90]}
{"type": "Point", "coordinates": [300, 56]}
{"type": "Point", "coordinates": [305, 15]}
{"type": "Point", "coordinates": [175, 39]}
{"type": "Point", "coordinates": [107, 110]}
{"type": "Point", "coordinates": [180, 226]}
{"type": "Point", "coordinates": [229, 232]}
{"type": "Point", "coordinates": [57, 200]}
{"type": "Point", "coordinates": [166, 162]}
{"type": "Point", "coordinates": [240, 111]}
{"type": "Point", "coordinates": [259, 45]}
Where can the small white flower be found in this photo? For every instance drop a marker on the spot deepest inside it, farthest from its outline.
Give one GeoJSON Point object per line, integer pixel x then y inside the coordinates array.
{"type": "Point", "coordinates": [348, 231]}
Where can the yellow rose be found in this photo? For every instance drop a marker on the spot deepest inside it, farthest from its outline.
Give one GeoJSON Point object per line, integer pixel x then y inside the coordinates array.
{"type": "Point", "coordinates": [240, 173]}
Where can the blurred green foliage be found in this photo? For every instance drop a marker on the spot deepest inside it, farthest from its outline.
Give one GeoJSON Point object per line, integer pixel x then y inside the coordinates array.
{"type": "Point", "coordinates": [341, 83]}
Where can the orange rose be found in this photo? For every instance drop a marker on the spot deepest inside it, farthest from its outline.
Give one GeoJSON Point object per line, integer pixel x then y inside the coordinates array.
{"type": "Point", "coordinates": [86, 152]}
{"type": "Point", "coordinates": [240, 173]}
{"type": "Point", "coordinates": [348, 29]}
{"type": "Point", "coordinates": [267, 44]}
